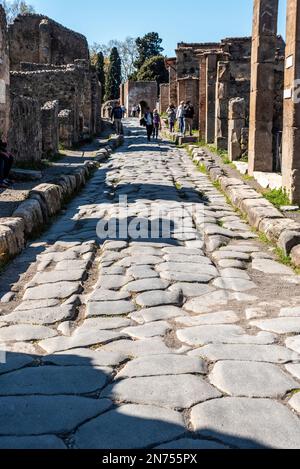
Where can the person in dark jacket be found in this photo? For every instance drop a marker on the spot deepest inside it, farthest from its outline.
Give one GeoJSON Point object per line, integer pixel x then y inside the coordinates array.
{"type": "Point", "coordinates": [189, 114]}
{"type": "Point", "coordinates": [116, 117]}
{"type": "Point", "coordinates": [6, 162]}
{"type": "Point", "coordinates": [148, 118]}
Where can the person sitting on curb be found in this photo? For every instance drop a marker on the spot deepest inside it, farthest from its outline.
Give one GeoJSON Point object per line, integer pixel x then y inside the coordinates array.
{"type": "Point", "coordinates": [6, 162]}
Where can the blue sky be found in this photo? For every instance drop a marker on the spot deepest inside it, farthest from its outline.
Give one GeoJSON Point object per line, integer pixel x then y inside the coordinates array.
{"type": "Point", "coordinates": [174, 20]}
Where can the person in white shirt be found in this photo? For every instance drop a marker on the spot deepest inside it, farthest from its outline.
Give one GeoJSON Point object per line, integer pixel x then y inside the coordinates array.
{"type": "Point", "coordinates": [180, 117]}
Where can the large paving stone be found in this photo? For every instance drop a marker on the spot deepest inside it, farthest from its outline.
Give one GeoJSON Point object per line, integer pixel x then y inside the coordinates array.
{"type": "Point", "coordinates": [268, 266]}
{"type": "Point", "coordinates": [108, 295]}
{"type": "Point", "coordinates": [160, 365]}
{"type": "Point", "coordinates": [222, 334]}
{"type": "Point", "coordinates": [43, 316]}
{"type": "Point", "coordinates": [294, 369]}
{"type": "Point", "coordinates": [139, 286]}
{"type": "Point", "coordinates": [251, 379]}
{"type": "Point", "coordinates": [54, 380]}
{"type": "Point", "coordinates": [103, 323]}
{"type": "Point", "coordinates": [156, 314]}
{"type": "Point", "coordinates": [139, 348]}
{"type": "Point", "coordinates": [188, 268]}
{"type": "Point", "coordinates": [157, 298]}
{"type": "Point", "coordinates": [85, 357]}
{"type": "Point", "coordinates": [235, 284]}
{"type": "Point", "coordinates": [236, 255]}
{"type": "Point", "coordinates": [244, 352]}
{"type": "Point", "coordinates": [293, 343]}
{"type": "Point", "coordinates": [13, 361]}
{"type": "Point", "coordinates": [109, 308]}
{"type": "Point", "coordinates": [295, 402]}
{"type": "Point", "coordinates": [247, 423]}
{"type": "Point", "coordinates": [188, 443]}
{"type": "Point", "coordinates": [84, 339]}
{"type": "Point", "coordinates": [234, 273]}
{"type": "Point", "coordinates": [278, 325]}
{"type": "Point", "coordinates": [42, 415]}
{"type": "Point", "coordinates": [174, 392]}
{"type": "Point", "coordinates": [152, 329]}
{"type": "Point", "coordinates": [186, 277]}
{"type": "Point", "coordinates": [57, 276]}
{"type": "Point", "coordinates": [130, 427]}
{"type": "Point", "coordinates": [140, 272]}
{"type": "Point", "coordinates": [66, 266]}
{"type": "Point", "coordinates": [190, 290]}
{"type": "Point", "coordinates": [23, 332]}
{"type": "Point", "coordinates": [225, 317]}
{"type": "Point", "coordinates": [37, 304]}
{"type": "Point", "coordinates": [185, 259]}
{"type": "Point", "coordinates": [31, 442]}
{"type": "Point", "coordinates": [211, 301]}
{"type": "Point", "coordinates": [113, 282]}
{"type": "Point", "coordinates": [61, 290]}
{"type": "Point", "coordinates": [290, 312]}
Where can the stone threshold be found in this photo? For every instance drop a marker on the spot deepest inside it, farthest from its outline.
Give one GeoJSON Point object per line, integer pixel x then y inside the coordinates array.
{"type": "Point", "coordinates": [261, 214]}
{"type": "Point", "coordinates": [45, 201]}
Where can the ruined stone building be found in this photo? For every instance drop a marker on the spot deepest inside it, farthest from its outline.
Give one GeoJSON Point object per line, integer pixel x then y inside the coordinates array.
{"type": "Point", "coordinates": [142, 93]}
{"type": "Point", "coordinates": [53, 92]}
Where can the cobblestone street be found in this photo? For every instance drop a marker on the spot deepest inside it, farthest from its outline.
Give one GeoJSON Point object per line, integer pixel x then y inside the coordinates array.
{"type": "Point", "coordinates": [188, 339]}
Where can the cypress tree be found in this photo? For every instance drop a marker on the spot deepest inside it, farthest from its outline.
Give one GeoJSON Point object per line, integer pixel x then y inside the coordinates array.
{"type": "Point", "coordinates": [114, 76]}
{"type": "Point", "coordinates": [99, 64]}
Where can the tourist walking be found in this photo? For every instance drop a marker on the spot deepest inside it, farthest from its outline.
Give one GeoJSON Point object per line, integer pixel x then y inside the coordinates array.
{"type": "Point", "coordinates": [6, 162]}
{"type": "Point", "coordinates": [156, 124]}
{"type": "Point", "coordinates": [189, 113]}
{"type": "Point", "coordinates": [180, 117]}
{"type": "Point", "coordinates": [116, 117]}
{"type": "Point", "coordinates": [148, 118]}
{"type": "Point", "coordinates": [171, 112]}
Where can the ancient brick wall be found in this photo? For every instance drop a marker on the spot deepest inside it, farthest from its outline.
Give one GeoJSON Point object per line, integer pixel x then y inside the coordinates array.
{"type": "Point", "coordinates": [144, 93]}
{"type": "Point", "coordinates": [4, 77]}
{"type": "Point", "coordinates": [38, 39]}
{"type": "Point", "coordinates": [164, 97]}
{"type": "Point", "coordinates": [49, 119]}
{"type": "Point", "coordinates": [25, 133]}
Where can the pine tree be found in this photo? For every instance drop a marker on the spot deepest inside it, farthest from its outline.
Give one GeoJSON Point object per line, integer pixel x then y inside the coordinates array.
{"type": "Point", "coordinates": [114, 76]}
{"type": "Point", "coordinates": [100, 69]}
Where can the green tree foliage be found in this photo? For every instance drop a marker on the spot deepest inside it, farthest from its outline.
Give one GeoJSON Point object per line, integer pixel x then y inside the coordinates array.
{"type": "Point", "coordinates": [100, 68]}
{"type": "Point", "coordinates": [147, 47]}
{"type": "Point", "coordinates": [15, 8]}
{"type": "Point", "coordinates": [154, 69]}
{"type": "Point", "coordinates": [114, 76]}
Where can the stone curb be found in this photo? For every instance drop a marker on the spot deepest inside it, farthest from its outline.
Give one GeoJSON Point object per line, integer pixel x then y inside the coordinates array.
{"type": "Point", "coordinates": [45, 201]}
{"type": "Point", "coordinates": [261, 214]}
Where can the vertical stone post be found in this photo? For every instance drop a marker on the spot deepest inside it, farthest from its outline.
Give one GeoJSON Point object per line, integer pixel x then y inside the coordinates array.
{"type": "Point", "coordinates": [173, 98]}
{"type": "Point", "coordinates": [262, 85]}
{"type": "Point", "coordinates": [4, 77]}
{"type": "Point", "coordinates": [45, 42]}
{"type": "Point", "coordinates": [291, 109]}
{"type": "Point", "coordinates": [236, 122]}
{"type": "Point", "coordinates": [211, 77]}
{"type": "Point", "coordinates": [202, 97]}
{"type": "Point", "coordinates": [222, 97]}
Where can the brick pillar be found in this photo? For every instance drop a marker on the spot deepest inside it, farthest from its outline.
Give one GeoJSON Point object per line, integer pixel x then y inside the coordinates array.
{"type": "Point", "coordinates": [262, 85]}
{"type": "Point", "coordinates": [211, 78]}
{"type": "Point", "coordinates": [202, 98]}
{"type": "Point", "coordinates": [222, 98]}
{"type": "Point", "coordinates": [45, 42]}
{"type": "Point", "coordinates": [236, 122]}
{"type": "Point", "coordinates": [291, 109]}
{"type": "Point", "coordinates": [173, 98]}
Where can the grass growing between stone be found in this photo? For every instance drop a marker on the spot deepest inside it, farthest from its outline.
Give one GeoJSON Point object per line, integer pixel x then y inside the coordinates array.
{"type": "Point", "coordinates": [277, 197]}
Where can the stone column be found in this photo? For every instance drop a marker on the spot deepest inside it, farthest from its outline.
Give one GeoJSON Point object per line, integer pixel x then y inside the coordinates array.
{"type": "Point", "coordinates": [4, 77]}
{"type": "Point", "coordinates": [262, 85]}
{"type": "Point", "coordinates": [236, 122]}
{"type": "Point", "coordinates": [211, 77]}
{"type": "Point", "coordinates": [202, 98]}
{"type": "Point", "coordinates": [291, 109]}
{"type": "Point", "coordinates": [221, 112]}
{"type": "Point", "coordinates": [45, 42]}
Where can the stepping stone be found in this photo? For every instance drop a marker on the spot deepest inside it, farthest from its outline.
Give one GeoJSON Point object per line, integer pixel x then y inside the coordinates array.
{"type": "Point", "coordinates": [23, 332]}
{"type": "Point", "coordinates": [174, 392]}
{"type": "Point", "coordinates": [54, 380]}
{"type": "Point", "coordinates": [293, 343]}
{"type": "Point", "coordinates": [85, 339]}
{"type": "Point", "coordinates": [295, 402]}
{"type": "Point", "coordinates": [159, 328]}
{"type": "Point", "coordinates": [225, 334]}
{"type": "Point", "coordinates": [40, 415]}
{"type": "Point", "coordinates": [234, 273]}
{"type": "Point", "coordinates": [139, 286]}
{"type": "Point", "coordinates": [44, 316]}
{"type": "Point", "coordinates": [156, 314]}
{"type": "Point", "coordinates": [43, 442]}
{"type": "Point", "coordinates": [251, 379]}
{"type": "Point", "coordinates": [226, 317]}
{"type": "Point", "coordinates": [61, 290]}
{"type": "Point", "coordinates": [271, 267]}
{"type": "Point", "coordinates": [187, 443]}
{"type": "Point", "coordinates": [234, 284]}
{"type": "Point", "coordinates": [278, 325]}
{"type": "Point", "coordinates": [13, 361]}
{"type": "Point", "coordinates": [157, 298]}
{"type": "Point", "coordinates": [108, 295]}
{"type": "Point", "coordinates": [247, 423]}
{"type": "Point", "coordinates": [294, 369]}
{"type": "Point", "coordinates": [130, 427]}
{"type": "Point", "coordinates": [109, 308]}
{"type": "Point", "coordinates": [85, 357]}
{"type": "Point", "coordinates": [244, 352]}
{"type": "Point", "coordinates": [162, 365]}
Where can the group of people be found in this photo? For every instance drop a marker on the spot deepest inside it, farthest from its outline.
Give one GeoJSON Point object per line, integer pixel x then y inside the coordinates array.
{"type": "Point", "coordinates": [152, 122]}
{"type": "Point", "coordinates": [184, 115]}
{"type": "Point", "coordinates": [6, 162]}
